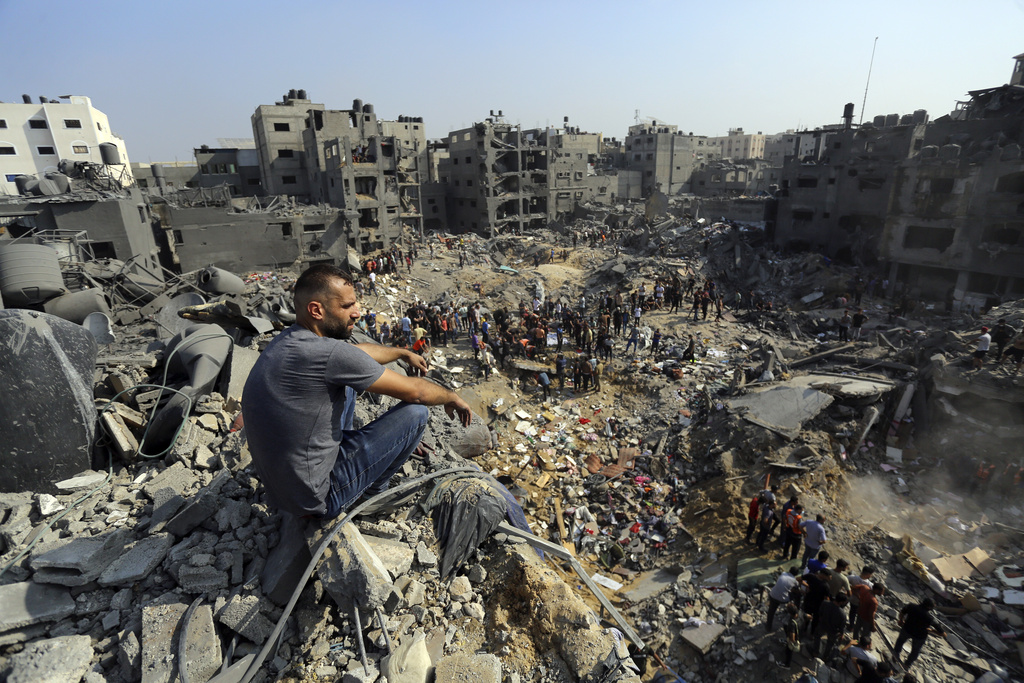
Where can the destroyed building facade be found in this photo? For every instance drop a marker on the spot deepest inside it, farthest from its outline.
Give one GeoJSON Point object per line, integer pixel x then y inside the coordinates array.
{"type": "Point", "coordinates": [35, 137]}
{"type": "Point", "coordinates": [665, 156]}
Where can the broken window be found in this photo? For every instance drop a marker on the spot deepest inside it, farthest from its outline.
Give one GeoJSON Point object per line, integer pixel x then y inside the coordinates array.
{"type": "Point", "coordinates": [1012, 182]}
{"type": "Point", "coordinates": [3, 123]}
{"type": "Point", "coordinates": [924, 237]}
{"type": "Point", "coordinates": [289, 180]}
{"type": "Point", "coordinates": [806, 182]}
{"type": "Point", "coordinates": [650, 156]}
{"type": "Point", "coordinates": [36, 123]}
{"type": "Point", "coordinates": [282, 127]}
{"type": "Point", "coordinates": [72, 123]}
{"type": "Point", "coordinates": [46, 151]}
{"type": "Point", "coordinates": [942, 185]}
{"type": "Point", "coordinates": [103, 250]}
{"type": "Point", "coordinates": [313, 227]}
{"type": "Point", "coordinates": [1004, 234]}
{"type": "Point", "coordinates": [286, 153]}
{"type": "Point", "coordinates": [179, 239]}
{"type": "Point", "coordinates": [80, 149]}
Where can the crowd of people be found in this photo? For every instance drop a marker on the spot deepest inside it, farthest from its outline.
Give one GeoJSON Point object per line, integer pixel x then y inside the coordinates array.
{"type": "Point", "coordinates": [830, 609]}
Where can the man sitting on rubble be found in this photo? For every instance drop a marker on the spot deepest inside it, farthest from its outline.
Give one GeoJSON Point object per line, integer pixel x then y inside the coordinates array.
{"type": "Point", "coordinates": [300, 399]}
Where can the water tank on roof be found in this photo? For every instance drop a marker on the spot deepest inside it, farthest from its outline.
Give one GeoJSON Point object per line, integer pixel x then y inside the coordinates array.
{"type": "Point", "coordinates": [21, 182]}
{"type": "Point", "coordinates": [293, 94]}
{"type": "Point", "coordinates": [906, 119]}
{"type": "Point", "coordinates": [357, 105]}
{"type": "Point", "coordinates": [110, 154]}
{"type": "Point", "coordinates": [949, 152]}
{"type": "Point", "coordinates": [158, 170]}
{"type": "Point", "coordinates": [302, 95]}
{"type": "Point", "coordinates": [27, 99]}
{"type": "Point", "coordinates": [879, 121]}
{"type": "Point", "coordinates": [47, 188]}
{"type": "Point", "coordinates": [892, 120]}
{"type": "Point", "coordinates": [920, 116]}
{"type": "Point", "coordinates": [418, 119]}
{"type": "Point", "coordinates": [43, 100]}
{"type": "Point", "coordinates": [62, 182]}
{"type": "Point", "coordinates": [29, 273]}
{"type": "Point", "coordinates": [367, 108]}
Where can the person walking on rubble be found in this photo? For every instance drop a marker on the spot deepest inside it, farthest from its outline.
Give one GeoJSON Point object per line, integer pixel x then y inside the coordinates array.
{"type": "Point", "coordinates": [916, 622]}
{"type": "Point", "coordinates": [831, 624]}
{"type": "Point", "coordinates": [780, 594]}
{"type": "Point", "coordinates": [791, 545]}
{"type": "Point", "coordinates": [1001, 334]}
{"type": "Point", "coordinates": [753, 515]}
{"type": "Point", "coordinates": [1015, 352]}
{"type": "Point", "coordinates": [844, 326]}
{"type": "Point", "coordinates": [866, 611]}
{"type": "Point", "coordinates": [792, 632]}
{"type": "Point", "coordinates": [300, 401]}
{"type": "Point", "coordinates": [793, 500]}
{"type": "Point", "coordinates": [859, 318]}
{"type": "Point", "coordinates": [634, 340]}
{"type": "Point", "coordinates": [767, 517]}
{"type": "Point", "coordinates": [984, 343]}
{"type": "Point", "coordinates": [814, 537]}
{"type": "Point", "coordinates": [862, 579]}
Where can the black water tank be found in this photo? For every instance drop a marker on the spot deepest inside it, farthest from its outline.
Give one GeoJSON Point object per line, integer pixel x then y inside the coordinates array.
{"type": "Point", "coordinates": [43, 100]}
{"type": "Point", "coordinates": [302, 95]}
{"type": "Point", "coordinates": [293, 94]}
{"type": "Point", "coordinates": [357, 105]}
{"type": "Point", "coordinates": [27, 99]}
{"type": "Point", "coordinates": [109, 154]}
{"type": "Point", "coordinates": [367, 108]}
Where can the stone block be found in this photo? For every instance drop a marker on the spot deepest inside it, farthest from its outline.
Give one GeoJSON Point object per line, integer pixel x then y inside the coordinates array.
{"type": "Point", "coordinates": [199, 508]}
{"type": "Point", "coordinates": [461, 590]}
{"type": "Point", "coordinates": [129, 656]}
{"type": "Point", "coordinates": [425, 556]}
{"type": "Point", "coordinates": [286, 561]}
{"type": "Point", "coordinates": [79, 561]}
{"type": "Point", "coordinates": [176, 477]}
{"type": "Point", "coordinates": [396, 556]}
{"type": "Point", "coordinates": [351, 570]}
{"type": "Point", "coordinates": [86, 480]}
{"type": "Point", "coordinates": [463, 668]}
{"type": "Point", "coordinates": [203, 579]}
{"type": "Point", "coordinates": [166, 504]}
{"type": "Point", "coordinates": [648, 584]}
{"type": "Point", "coordinates": [137, 563]}
{"type": "Point", "coordinates": [54, 660]}
{"type": "Point", "coordinates": [27, 603]}
{"type": "Point", "coordinates": [239, 366]}
{"type": "Point", "coordinates": [702, 637]}
{"type": "Point", "coordinates": [161, 629]}
{"type": "Point", "coordinates": [242, 615]}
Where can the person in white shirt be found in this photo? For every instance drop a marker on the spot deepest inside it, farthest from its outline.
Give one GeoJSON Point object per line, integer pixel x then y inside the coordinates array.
{"type": "Point", "coordinates": [814, 537]}
{"type": "Point", "coordinates": [984, 343]}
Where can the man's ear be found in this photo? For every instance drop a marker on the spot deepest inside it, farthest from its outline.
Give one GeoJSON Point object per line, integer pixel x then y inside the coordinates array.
{"type": "Point", "coordinates": [315, 310]}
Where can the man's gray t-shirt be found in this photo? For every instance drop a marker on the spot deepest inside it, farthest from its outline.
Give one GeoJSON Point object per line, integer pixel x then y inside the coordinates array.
{"type": "Point", "coordinates": [293, 402]}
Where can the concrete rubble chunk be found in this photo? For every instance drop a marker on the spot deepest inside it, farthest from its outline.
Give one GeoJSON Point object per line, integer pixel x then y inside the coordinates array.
{"type": "Point", "coordinates": [199, 508]}
{"type": "Point", "coordinates": [55, 660]}
{"type": "Point", "coordinates": [26, 603]}
{"type": "Point", "coordinates": [204, 579]}
{"type": "Point", "coordinates": [49, 505]}
{"type": "Point", "coordinates": [129, 656]}
{"type": "Point", "coordinates": [396, 556]}
{"type": "Point", "coordinates": [81, 482]}
{"type": "Point", "coordinates": [242, 615]}
{"type": "Point", "coordinates": [350, 569]}
{"type": "Point", "coordinates": [137, 563]}
{"type": "Point", "coordinates": [166, 504]}
{"type": "Point", "coordinates": [461, 589]}
{"type": "Point", "coordinates": [702, 637]}
{"type": "Point", "coordinates": [463, 668]}
{"type": "Point", "coordinates": [161, 629]}
{"type": "Point", "coordinates": [78, 561]}
{"type": "Point", "coordinates": [176, 477]}
{"type": "Point", "coordinates": [286, 561]}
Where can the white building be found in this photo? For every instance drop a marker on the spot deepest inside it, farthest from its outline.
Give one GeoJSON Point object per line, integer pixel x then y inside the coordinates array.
{"type": "Point", "coordinates": [35, 137]}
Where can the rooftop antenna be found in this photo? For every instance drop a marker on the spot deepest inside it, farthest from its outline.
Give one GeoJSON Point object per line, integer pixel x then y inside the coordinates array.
{"type": "Point", "coordinates": [870, 65]}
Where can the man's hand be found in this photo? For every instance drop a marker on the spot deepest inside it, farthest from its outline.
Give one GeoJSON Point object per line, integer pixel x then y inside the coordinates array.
{"type": "Point", "coordinates": [462, 408]}
{"type": "Point", "coordinates": [417, 361]}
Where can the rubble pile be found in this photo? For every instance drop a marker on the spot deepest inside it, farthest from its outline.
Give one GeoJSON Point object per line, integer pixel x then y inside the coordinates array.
{"type": "Point", "coordinates": [162, 551]}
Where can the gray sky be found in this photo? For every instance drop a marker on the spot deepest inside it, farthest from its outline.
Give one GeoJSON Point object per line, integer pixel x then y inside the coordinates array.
{"type": "Point", "coordinates": [174, 75]}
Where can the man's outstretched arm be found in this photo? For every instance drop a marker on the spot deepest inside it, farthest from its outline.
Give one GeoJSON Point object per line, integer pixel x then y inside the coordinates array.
{"type": "Point", "coordinates": [387, 354]}
{"type": "Point", "coordinates": [423, 392]}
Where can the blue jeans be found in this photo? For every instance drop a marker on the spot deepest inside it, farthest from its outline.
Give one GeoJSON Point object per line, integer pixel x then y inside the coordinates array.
{"type": "Point", "coordinates": [368, 457]}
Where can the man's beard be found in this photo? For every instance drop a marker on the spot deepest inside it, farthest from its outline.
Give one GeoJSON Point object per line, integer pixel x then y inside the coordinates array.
{"type": "Point", "coordinates": [337, 329]}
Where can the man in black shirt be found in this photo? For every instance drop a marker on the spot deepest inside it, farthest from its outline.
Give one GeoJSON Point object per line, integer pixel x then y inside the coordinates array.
{"type": "Point", "coordinates": [817, 591]}
{"type": "Point", "coordinates": [831, 624]}
{"type": "Point", "coordinates": [916, 622]}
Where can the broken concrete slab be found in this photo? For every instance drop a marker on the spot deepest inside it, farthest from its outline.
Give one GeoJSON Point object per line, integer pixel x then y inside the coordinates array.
{"type": "Point", "coordinates": [463, 668]}
{"type": "Point", "coordinates": [161, 629]}
{"type": "Point", "coordinates": [396, 556]}
{"type": "Point", "coordinates": [138, 562]}
{"type": "Point", "coordinates": [782, 409]}
{"type": "Point", "coordinates": [203, 579]}
{"type": "Point", "coordinates": [242, 615]}
{"type": "Point", "coordinates": [351, 570]}
{"type": "Point", "coordinates": [648, 584]}
{"type": "Point", "coordinates": [176, 477]}
{"type": "Point", "coordinates": [752, 572]}
{"type": "Point", "coordinates": [78, 561]}
{"type": "Point", "coordinates": [26, 603]}
{"type": "Point", "coordinates": [65, 659]}
{"type": "Point", "coordinates": [199, 508]}
{"type": "Point", "coordinates": [702, 637]}
{"type": "Point", "coordinates": [286, 561]}
{"type": "Point", "coordinates": [81, 482]}
{"type": "Point", "coordinates": [239, 366]}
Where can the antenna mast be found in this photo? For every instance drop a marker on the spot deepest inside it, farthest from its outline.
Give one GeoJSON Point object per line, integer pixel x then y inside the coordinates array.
{"type": "Point", "coordinates": [870, 65]}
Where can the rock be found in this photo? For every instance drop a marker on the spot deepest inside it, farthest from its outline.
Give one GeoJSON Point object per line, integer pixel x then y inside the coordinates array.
{"type": "Point", "coordinates": [242, 615]}
{"type": "Point", "coordinates": [54, 660]}
{"type": "Point", "coordinates": [129, 656]}
{"type": "Point", "coordinates": [415, 593]}
{"type": "Point", "coordinates": [27, 603]}
{"type": "Point", "coordinates": [425, 556]}
{"type": "Point", "coordinates": [351, 570]}
{"type": "Point", "coordinates": [161, 629]}
{"type": "Point", "coordinates": [396, 556]}
{"type": "Point", "coordinates": [357, 675]}
{"type": "Point", "coordinates": [702, 637]}
{"type": "Point", "coordinates": [80, 560]}
{"type": "Point", "coordinates": [204, 579]}
{"type": "Point", "coordinates": [177, 477]}
{"type": "Point", "coordinates": [206, 459]}
{"type": "Point", "coordinates": [461, 589]}
{"type": "Point", "coordinates": [83, 481]}
{"type": "Point", "coordinates": [200, 507]}
{"type": "Point", "coordinates": [477, 574]}
{"type": "Point", "coordinates": [474, 610]}
{"type": "Point", "coordinates": [49, 505]}
{"type": "Point", "coordinates": [137, 563]}
{"type": "Point", "coordinates": [463, 668]}
{"type": "Point", "coordinates": [166, 504]}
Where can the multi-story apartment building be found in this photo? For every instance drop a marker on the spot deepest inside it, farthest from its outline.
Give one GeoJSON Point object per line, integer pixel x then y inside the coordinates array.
{"type": "Point", "coordinates": [665, 157]}
{"type": "Point", "coordinates": [277, 129]}
{"type": "Point", "coordinates": [36, 136]}
{"type": "Point", "coordinates": [738, 145]}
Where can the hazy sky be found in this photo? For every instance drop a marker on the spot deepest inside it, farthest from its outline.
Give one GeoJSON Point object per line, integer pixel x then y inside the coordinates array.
{"type": "Point", "coordinates": [177, 74]}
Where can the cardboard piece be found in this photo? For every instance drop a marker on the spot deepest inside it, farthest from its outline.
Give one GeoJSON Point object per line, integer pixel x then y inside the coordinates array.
{"type": "Point", "coordinates": [952, 567]}
{"type": "Point", "coordinates": [980, 560]}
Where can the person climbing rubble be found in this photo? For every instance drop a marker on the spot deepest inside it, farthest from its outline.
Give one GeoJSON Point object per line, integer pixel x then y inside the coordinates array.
{"type": "Point", "coordinates": [916, 624]}
{"type": "Point", "coordinates": [300, 400]}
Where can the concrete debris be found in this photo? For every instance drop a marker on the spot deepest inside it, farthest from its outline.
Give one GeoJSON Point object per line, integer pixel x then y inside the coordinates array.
{"type": "Point", "coordinates": [641, 468]}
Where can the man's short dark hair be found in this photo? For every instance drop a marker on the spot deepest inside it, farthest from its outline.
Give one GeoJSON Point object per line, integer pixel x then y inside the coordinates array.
{"type": "Point", "coordinates": [823, 555]}
{"type": "Point", "coordinates": [316, 280]}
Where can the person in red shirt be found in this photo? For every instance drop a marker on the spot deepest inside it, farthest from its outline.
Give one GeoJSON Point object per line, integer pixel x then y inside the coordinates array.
{"type": "Point", "coordinates": [865, 624]}
{"type": "Point", "coordinates": [752, 515]}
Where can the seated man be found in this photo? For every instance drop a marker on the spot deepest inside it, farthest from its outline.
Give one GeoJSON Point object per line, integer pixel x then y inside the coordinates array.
{"type": "Point", "coordinates": [300, 398]}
